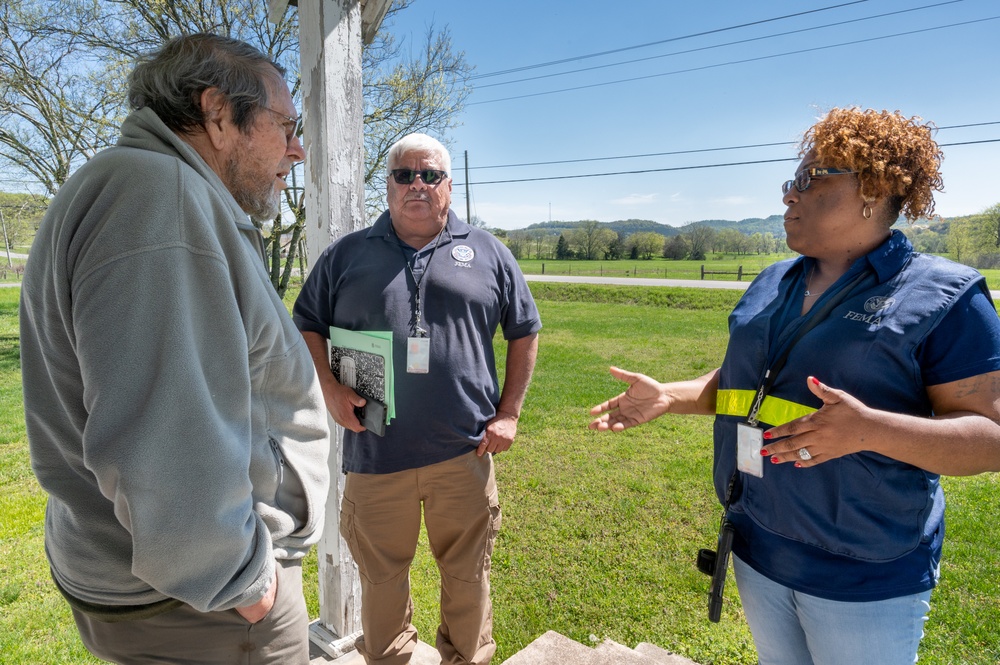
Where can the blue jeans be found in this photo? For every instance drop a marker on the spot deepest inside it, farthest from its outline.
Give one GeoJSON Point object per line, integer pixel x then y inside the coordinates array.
{"type": "Point", "coordinates": [793, 628]}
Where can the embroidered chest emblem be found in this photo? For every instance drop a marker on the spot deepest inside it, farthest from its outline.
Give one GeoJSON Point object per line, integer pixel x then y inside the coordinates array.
{"type": "Point", "coordinates": [875, 303]}
{"type": "Point", "coordinates": [463, 255]}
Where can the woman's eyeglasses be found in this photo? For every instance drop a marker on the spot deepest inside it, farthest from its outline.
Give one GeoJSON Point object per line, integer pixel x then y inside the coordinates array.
{"type": "Point", "coordinates": [804, 177]}
{"type": "Point", "coordinates": [407, 176]}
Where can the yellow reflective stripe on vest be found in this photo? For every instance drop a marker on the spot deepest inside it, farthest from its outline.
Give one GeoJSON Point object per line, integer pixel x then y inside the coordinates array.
{"type": "Point", "coordinates": [774, 411]}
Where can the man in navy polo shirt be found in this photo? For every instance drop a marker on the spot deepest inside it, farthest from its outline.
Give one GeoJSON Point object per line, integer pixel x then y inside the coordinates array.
{"type": "Point", "coordinates": [442, 287]}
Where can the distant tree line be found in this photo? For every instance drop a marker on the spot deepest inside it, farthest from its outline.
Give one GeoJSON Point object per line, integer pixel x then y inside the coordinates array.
{"type": "Point", "coordinates": [592, 241]}
{"type": "Point", "coordinates": [973, 240]}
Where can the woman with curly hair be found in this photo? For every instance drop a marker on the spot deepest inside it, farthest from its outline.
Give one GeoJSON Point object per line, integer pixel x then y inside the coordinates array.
{"type": "Point", "coordinates": [855, 376]}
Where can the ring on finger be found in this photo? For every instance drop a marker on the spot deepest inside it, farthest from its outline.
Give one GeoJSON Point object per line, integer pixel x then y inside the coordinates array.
{"type": "Point", "coordinates": [804, 455]}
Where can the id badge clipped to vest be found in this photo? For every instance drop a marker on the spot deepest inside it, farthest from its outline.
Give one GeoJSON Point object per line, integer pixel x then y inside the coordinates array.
{"type": "Point", "coordinates": [749, 441]}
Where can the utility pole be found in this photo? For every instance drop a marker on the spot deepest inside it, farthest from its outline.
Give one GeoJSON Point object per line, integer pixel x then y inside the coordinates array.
{"type": "Point", "coordinates": [468, 204]}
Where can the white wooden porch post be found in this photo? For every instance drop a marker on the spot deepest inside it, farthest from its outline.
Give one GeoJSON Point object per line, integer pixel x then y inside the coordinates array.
{"type": "Point", "coordinates": [330, 43]}
{"type": "Point", "coordinates": [330, 51]}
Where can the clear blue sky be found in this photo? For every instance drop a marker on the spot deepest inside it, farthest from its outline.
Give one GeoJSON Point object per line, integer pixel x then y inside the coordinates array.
{"type": "Point", "coordinates": [947, 75]}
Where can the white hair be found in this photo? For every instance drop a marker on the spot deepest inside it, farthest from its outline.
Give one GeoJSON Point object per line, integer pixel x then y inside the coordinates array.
{"type": "Point", "coordinates": [419, 143]}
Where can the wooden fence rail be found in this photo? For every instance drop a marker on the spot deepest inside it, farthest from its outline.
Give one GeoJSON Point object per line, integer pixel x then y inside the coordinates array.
{"type": "Point", "coordinates": [739, 273]}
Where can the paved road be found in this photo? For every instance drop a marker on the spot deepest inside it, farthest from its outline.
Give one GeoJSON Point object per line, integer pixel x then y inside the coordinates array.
{"type": "Point", "coordinates": [621, 281]}
{"type": "Point", "coordinates": [640, 281]}
{"type": "Point", "coordinates": [644, 281]}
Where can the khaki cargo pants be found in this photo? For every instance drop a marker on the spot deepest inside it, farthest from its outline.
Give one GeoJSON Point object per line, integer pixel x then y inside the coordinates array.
{"type": "Point", "coordinates": [380, 520]}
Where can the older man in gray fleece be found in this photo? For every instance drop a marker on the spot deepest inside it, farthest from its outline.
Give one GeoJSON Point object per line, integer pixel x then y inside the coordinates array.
{"type": "Point", "coordinates": [174, 415]}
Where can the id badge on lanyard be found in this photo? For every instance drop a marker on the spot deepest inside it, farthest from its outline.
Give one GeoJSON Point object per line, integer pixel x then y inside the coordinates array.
{"type": "Point", "coordinates": [418, 347]}
{"type": "Point", "coordinates": [750, 437]}
{"type": "Point", "coordinates": [749, 441]}
{"type": "Point", "coordinates": [418, 355]}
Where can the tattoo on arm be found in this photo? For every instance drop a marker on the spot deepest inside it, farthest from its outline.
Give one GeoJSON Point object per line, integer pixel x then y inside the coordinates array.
{"type": "Point", "coordinates": [975, 385]}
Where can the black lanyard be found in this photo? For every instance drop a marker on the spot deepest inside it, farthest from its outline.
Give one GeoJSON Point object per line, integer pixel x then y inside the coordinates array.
{"type": "Point", "coordinates": [418, 314]}
{"type": "Point", "coordinates": [816, 316]}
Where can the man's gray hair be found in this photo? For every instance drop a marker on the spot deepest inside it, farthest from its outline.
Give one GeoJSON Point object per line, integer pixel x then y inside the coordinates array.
{"type": "Point", "coordinates": [418, 143]}
{"type": "Point", "coordinates": [170, 80]}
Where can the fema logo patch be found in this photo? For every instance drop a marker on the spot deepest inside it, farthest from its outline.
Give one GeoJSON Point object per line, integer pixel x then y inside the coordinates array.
{"type": "Point", "coordinates": [462, 253]}
{"type": "Point", "coordinates": [875, 303]}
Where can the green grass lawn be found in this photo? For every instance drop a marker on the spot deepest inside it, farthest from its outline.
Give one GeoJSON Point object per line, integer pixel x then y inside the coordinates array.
{"type": "Point", "coordinates": [599, 530]}
{"type": "Point", "coordinates": [669, 269]}
{"type": "Point", "coordinates": [657, 267]}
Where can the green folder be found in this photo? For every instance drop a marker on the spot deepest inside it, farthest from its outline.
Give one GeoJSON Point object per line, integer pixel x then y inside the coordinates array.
{"type": "Point", "coordinates": [362, 360]}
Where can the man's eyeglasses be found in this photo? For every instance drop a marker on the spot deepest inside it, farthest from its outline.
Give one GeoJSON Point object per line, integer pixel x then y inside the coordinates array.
{"type": "Point", "coordinates": [804, 177]}
{"type": "Point", "coordinates": [292, 125]}
{"type": "Point", "coordinates": [407, 176]}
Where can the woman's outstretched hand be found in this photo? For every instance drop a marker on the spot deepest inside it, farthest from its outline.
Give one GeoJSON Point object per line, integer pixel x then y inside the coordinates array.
{"type": "Point", "coordinates": [644, 400]}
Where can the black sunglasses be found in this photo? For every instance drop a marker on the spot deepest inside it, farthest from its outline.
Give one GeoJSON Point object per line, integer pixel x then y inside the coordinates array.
{"type": "Point", "coordinates": [407, 176]}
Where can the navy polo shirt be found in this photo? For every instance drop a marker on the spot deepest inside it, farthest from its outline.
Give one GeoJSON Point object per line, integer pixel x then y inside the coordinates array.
{"type": "Point", "coordinates": [470, 285]}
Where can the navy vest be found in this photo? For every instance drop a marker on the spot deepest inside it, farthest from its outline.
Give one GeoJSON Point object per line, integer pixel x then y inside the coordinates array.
{"type": "Point", "coordinates": [863, 506]}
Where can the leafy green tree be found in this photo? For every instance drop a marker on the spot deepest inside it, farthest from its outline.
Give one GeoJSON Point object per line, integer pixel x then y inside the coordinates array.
{"type": "Point", "coordinates": [56, 111]}
{"type": "Point", "coordinates": [591, 240]}
{"type": "Point", "coordinates": [542, 243]}
{"type": "Point", "coordinates": [63, 66]}
{"type": "Point", "coordinates": [929, 239]}
{"type": "Point", "coordinates": [975, 240]}
{"type": "Point", "coordinates": [961, 240]}
{"type": "Point", "coordinates": [646, 244]}
{"type": "Point", "coordinates": [991, 224]}
{"type": "Point", "coordinates": [519, 243]}
{"type": "Point", "coordinates": [676, 248]}
{"type": "Point", "coordinates": [615, 248]}
{"type": "Point", "coordinates": [20, 215]}
{"type": "Point", "coordinates": [701, 240]}
{"type": "Point", "coordinates": [562, 248]}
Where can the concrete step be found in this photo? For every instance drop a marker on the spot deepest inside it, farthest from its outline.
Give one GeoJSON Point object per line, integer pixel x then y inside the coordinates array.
{"type": "Point", "coordinates": [551, 648]}
{"type": "Point", "coordinates": [548, 649]}
{"type": "Point", "coordinates": [612, 652]}
{"type": "Point", "coordinates": [555, 649]}
{"type": "Point", "coordinates": [661, 655]}
{"type": "Point", "coordinates": [424, 654]}
{"type": "Point", "coordinates": [326, 649]}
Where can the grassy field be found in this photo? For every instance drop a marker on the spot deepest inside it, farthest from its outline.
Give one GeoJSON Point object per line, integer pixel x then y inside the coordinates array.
{"type": "Point", "coordinates": [658, 267]}
{"type": "Point", "coordinates": [599, 530]}
{"type": "Point", "coordinates": [724, 266]}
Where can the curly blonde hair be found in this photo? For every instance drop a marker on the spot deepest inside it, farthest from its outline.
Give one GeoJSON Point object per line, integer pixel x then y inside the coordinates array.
{"type": "Point", "coordinates": [894, 156]}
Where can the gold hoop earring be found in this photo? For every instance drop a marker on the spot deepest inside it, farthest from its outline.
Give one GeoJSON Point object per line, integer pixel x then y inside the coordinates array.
{"type": "Point", "coordinates": [867, 212]}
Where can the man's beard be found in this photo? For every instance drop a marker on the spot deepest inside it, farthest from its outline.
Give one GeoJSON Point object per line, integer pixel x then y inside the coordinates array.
{"type": "Point", "coordinates": [258, 199]}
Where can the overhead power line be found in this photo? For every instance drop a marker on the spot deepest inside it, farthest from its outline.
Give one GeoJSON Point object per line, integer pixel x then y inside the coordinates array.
{"type": "Point", "coordinates": [735, 62]}
{"type": "Point", "coordinates": [648, 154]}
{"type": "Point", "coordinates": [678, 168]}
{"type": "Point", "coordinates": [661, 41]}
{"type": "Point", "coordinates": [692, 151]}
{"type": "Point", "coordinates": [716, 46]}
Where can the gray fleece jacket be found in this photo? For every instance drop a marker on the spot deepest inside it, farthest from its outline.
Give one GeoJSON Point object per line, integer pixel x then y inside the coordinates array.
{"type": "Point", "coordinates": [173, 410]}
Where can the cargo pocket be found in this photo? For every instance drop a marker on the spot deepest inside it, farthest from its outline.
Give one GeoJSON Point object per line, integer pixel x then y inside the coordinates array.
{"type": "Point", "coordinates": [496, 517]}
{"type": "Point", "coordinates": [347, 531]}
